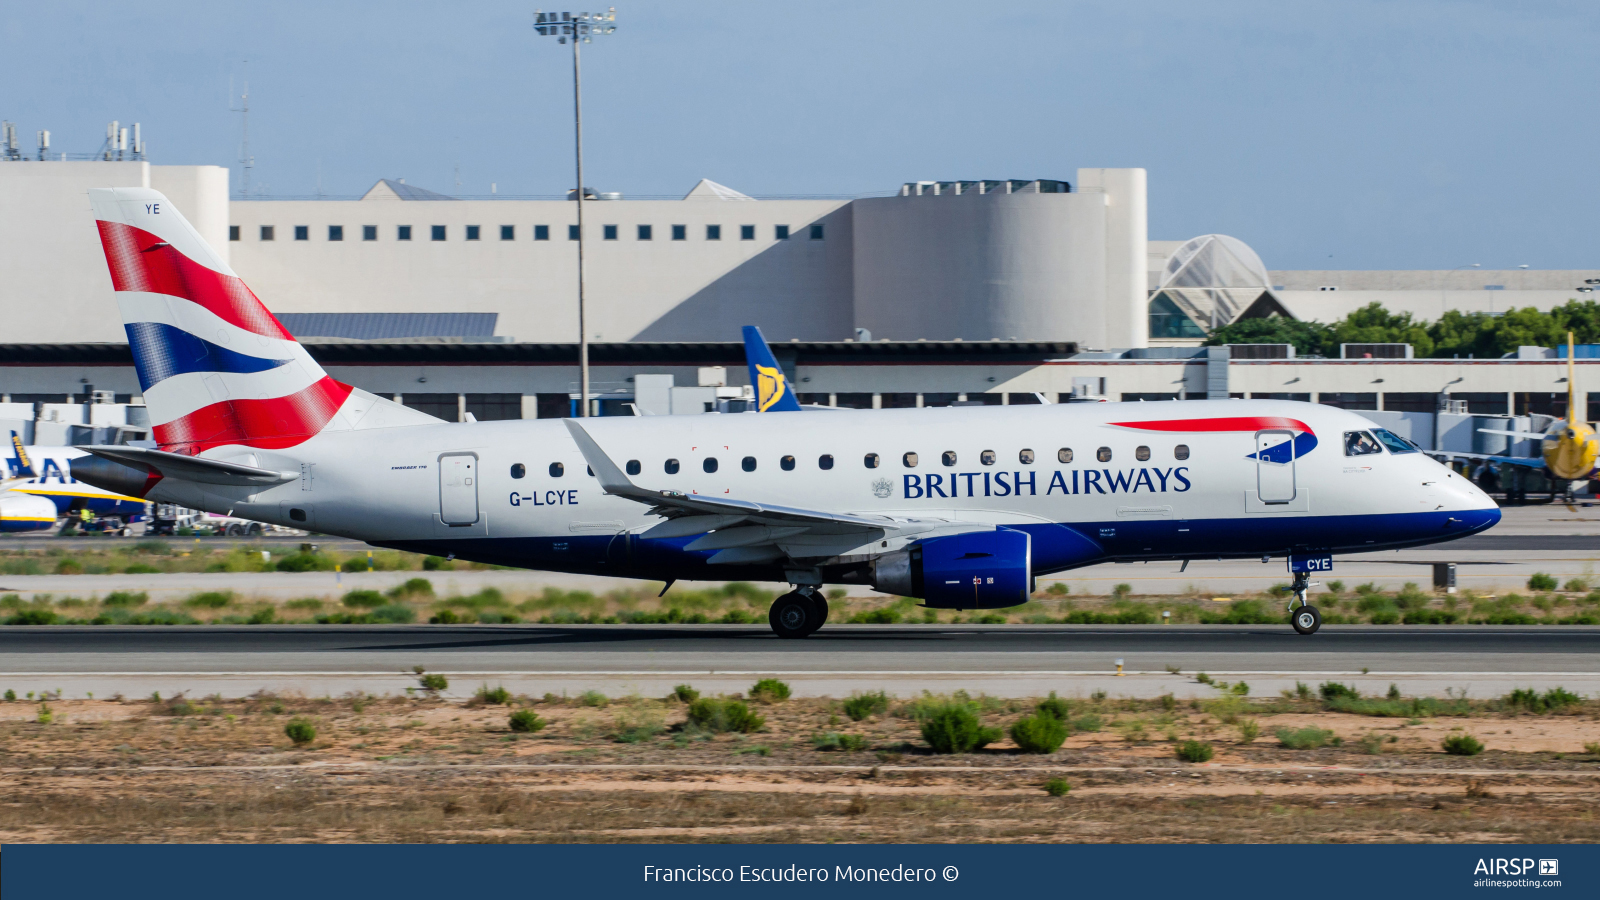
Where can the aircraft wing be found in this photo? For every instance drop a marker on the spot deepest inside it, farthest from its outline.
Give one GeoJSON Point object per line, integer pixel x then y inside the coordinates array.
{"type": "Point", "coordinates": [1529, 435]}
{"type": "Point", "coordinates": [747, 532]}
{"type": "Point", "coordinates": [1530, 462]}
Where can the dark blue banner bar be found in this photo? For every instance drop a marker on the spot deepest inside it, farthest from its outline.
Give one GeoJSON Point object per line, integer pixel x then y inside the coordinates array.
{"type": "Point", "coordinates": [1121, 872]}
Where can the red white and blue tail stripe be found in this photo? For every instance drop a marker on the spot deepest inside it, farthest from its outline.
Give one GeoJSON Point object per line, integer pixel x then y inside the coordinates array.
{"type": "Point", "coordinates": [215, 366]}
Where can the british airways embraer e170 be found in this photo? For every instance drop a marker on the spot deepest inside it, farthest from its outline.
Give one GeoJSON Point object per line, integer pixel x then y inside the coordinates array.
{"type": "Point", "coordinates": [961, 507]}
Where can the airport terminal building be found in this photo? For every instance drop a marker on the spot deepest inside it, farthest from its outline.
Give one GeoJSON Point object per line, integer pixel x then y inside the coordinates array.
{"type": "Point", "coordinates": [986, 291]}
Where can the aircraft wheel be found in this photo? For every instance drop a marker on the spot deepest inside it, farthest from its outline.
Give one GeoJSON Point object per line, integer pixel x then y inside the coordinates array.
{"type": "Point", "coordinates": [792, 614]}
{"type": "Point", "coordinates": [819, 605]}
{"type": "Point", "coordinates": [1306, 620]}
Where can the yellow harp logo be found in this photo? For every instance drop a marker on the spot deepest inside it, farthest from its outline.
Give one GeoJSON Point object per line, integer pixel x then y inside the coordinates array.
{"type": "Point", "coordinates": [770, 386]}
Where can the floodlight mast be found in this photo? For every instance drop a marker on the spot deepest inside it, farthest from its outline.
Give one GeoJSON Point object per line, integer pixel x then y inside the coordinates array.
{"type": "Point", "coordinates": [578, 28]}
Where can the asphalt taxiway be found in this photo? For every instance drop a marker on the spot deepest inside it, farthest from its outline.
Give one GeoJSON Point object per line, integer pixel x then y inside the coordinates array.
{"type": "Point", "coordinates": [1007, 661]}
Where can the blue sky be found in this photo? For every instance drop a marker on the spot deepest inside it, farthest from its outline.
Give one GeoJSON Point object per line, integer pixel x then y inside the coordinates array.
{"type": "Point", "coordinates": [1326, 135]}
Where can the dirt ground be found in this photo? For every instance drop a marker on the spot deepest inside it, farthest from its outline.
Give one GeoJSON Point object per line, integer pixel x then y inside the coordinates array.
{"type": "Point", "coordinates": [415, 769]}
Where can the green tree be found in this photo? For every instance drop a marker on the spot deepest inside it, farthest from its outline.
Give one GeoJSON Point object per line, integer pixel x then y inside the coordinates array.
{"type": "Point", "coordinates": [1308, 338]}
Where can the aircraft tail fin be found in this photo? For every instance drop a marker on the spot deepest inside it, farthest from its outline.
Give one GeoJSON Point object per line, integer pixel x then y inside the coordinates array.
{"type": "Point", "coordinates": [24, 464]}
{"type": "Point", "coordinates": [216, 368]}
{"type": "Point", "coordinates": [773, 393]}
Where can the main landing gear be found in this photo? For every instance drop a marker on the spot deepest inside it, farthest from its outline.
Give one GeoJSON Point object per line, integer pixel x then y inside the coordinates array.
{"type": "Point", "coordinates": [1306, 619]}
{"type": "Point", "coordinates": [798, 613]}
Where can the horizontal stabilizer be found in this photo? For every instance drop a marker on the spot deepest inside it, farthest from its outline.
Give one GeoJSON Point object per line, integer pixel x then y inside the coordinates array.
{"type": "Point", "coordinates": [190, 468]}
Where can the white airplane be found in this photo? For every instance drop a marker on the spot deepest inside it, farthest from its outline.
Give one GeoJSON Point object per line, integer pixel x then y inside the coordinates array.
{"type": "Point", "coordinates": [45, 472]}
{"type": "Point", "coordinates": [20, 510]}
{"type": "Point", "coordinates": [961, 507]}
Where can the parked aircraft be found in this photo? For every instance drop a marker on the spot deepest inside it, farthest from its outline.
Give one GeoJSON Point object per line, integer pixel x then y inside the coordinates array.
{"type": "Point", "coordinates": [44, 472]}
{"type": "Point", "coordinates": [960, 507]}
{"type": "Point", "coordinates": [20, 511]}
{"type": "Point", "coordinates": [1568, 450]}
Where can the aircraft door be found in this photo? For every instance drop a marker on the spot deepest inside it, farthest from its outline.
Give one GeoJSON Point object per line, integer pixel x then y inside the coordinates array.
{"type": "Point", "coordinates": [1275, 462]}
{"type": "Point", "coordinates": [458, 488]}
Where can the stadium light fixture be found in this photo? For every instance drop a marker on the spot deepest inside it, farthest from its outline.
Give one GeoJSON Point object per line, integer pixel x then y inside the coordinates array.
{"type": "Point", "coordinates": [578, 28]}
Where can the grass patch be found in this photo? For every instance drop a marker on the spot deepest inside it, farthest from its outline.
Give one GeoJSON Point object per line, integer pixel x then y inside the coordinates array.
{"type": "Point", "coordinates": [1462, 745]}
{"type": "Point", "coordinates": [1306, 738]}
{"type": "Point", "coordinates": [862, 705]}
{"type": "Point", "coordinates": [724, 716]}
{"type": "Point", "coordinates": [954, 727]}
{"type": "Point", "coordinates": [1194, 751]}
{"type": "Point", "coordinates": [526, 721]}
{"type": "Point", "coordinates": [1039, 733]}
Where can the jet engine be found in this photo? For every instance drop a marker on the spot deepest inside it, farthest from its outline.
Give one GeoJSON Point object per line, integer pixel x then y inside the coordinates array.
{"type": "Point", "coordinates": [977, 570]}
{"type": "Point", "coordinates": [25, 512]}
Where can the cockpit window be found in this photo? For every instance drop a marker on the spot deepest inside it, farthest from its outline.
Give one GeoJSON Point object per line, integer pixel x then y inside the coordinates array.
{"type": "Point", "coordinates": [1360, 443]}
{"type": "Point", "coordinates": [1394, 442]}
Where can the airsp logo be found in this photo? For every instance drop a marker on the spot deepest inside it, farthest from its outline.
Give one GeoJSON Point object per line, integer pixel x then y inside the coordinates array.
{"type": "Point", "coordinates": [883, 488]}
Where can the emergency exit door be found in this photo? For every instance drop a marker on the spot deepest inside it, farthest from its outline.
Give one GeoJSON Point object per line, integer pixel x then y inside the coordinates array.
{"type": "Point", "coordinates": [458, 488]}
{"type": "Point", "coordinates": [1275, 466]}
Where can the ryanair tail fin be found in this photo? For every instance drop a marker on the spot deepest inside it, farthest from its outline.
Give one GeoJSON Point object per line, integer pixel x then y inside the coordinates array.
{"type": "Point", "coordinates": [773, 393]}
{"type": "Point", "coordinates": [24, 468]}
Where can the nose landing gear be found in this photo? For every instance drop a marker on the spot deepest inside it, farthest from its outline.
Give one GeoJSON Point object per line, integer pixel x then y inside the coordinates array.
{"type": "Point", "coordinates": [1306, 619]}
{"type": "Point", "coordinates": [798, 613]}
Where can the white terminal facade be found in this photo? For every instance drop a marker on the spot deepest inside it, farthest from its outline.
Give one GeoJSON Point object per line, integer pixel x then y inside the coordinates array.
{"type": "Point", "coordinates": [964, 291]}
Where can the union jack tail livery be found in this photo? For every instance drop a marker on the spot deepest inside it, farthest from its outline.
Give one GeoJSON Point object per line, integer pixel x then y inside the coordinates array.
{"type": "Point", "coordinates": [216, 368]}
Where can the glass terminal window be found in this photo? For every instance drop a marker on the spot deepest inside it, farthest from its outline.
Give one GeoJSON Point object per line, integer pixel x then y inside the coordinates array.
{"type": "Point", "coordinates": [508, 232]}
{"type": "Point", "coordinates": [680, 232]}
{"type": "Point", "coordinates": [541, 232]}
{"type": "Point", "coordinates": [369, 232]}
{"type": "Point", "coordinates": [474, 232]}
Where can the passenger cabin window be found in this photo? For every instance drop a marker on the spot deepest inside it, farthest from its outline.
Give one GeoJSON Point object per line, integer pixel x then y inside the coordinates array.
{"type": "Point", "coordinates": [786, 464]}
{"type": "Point", "coordinates": [671, 467]}
{"type": "Point", "coordinates": [1064, 454]}
{"type": "Point", "coordinates": [1360, 443]}
{"type": "Point", "coordinates": [948, 457]}
{"type": "Point", "coordinates": [518, 470]}
{"type": "Point", "coordinates": [1181, 451]}
{"type": "Point", "coordinates": [1142, 454]}
{"type": "Point", "coordinates": [748, 464]}
{"type": "Point", "coordinates": [710, 465]}
{"type": "Point", "coordinates": [1394, 442]}
{"type": "Point", "coordinates": [557, 470]}
{"type": "Point", "coordinates": [909, 460]}
{"type": "Point", "coordinates": [870, 460]}
{"type": "Point", "coordinates": [1103, 454]}
{"type": "Point", "coordinates": [987, 457]}
{"type": "Point", "coordinates": [825, 461]}
{"type": "Point", "coordinates": [1025, 457]}
{"type": "Point", "coordinates": [633, 467]}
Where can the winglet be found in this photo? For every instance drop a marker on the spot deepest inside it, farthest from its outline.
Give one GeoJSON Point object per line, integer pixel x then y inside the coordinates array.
{"type": "Point", "coordinates": [772, 388]}
{"type": "Point", "coordinates": [24, 465]}
{"type": "Point", "coordinates": [611, 478]}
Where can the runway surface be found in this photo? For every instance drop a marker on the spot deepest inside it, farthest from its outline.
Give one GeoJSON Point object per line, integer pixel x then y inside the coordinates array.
{"type": "Point", "coordinates": [1011, 660]}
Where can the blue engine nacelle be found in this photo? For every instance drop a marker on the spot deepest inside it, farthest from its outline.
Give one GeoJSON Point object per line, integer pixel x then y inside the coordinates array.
{"type": "Point", "coordinates": [978, 570]}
